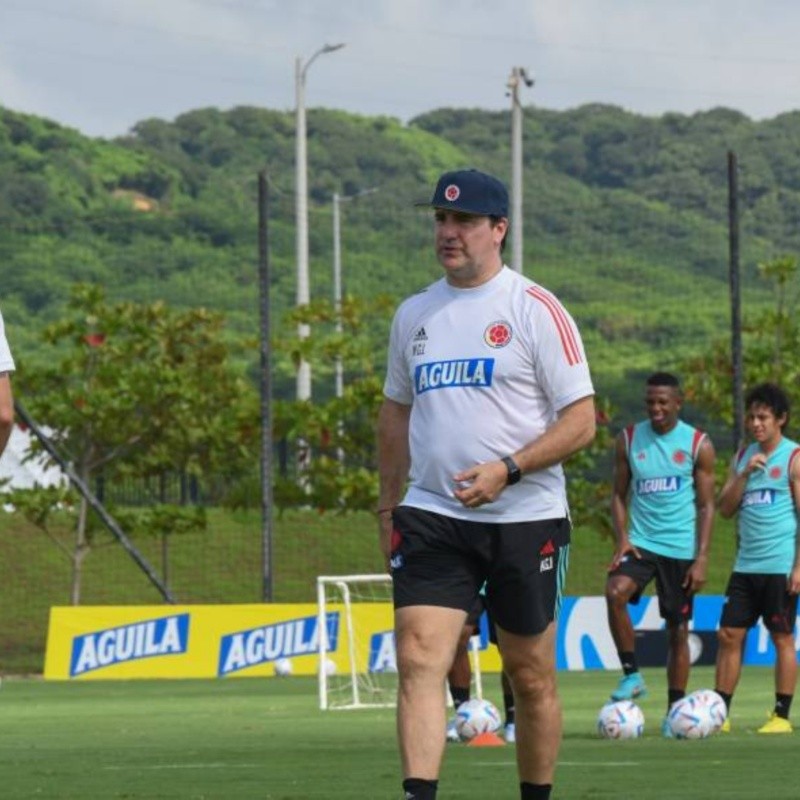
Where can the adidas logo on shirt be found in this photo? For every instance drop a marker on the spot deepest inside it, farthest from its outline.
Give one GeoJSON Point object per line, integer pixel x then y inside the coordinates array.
{"type": "Point", "coordinates": [420, 335]}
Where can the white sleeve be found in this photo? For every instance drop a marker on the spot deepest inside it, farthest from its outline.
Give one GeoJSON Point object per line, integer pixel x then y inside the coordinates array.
{"type": "Point", "coordinates": [397, 385]}
{"type": "Point", "coordinates": [6, 361]}
{"type": "Point", "coordinates": [559, 356]}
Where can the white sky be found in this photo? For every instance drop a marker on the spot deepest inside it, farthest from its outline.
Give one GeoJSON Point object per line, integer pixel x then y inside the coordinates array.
{"type": "Point", "coordinates": [102, 65]}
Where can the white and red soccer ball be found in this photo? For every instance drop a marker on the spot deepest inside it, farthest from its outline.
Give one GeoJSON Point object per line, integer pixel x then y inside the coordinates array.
{"type": "Point", "coordinates": [475, 717]}
{"type": "Point", "coordinates": [622, 719]}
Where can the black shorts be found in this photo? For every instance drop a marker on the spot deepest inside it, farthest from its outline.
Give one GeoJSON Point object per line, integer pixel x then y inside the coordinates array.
{"type": "Point", "coordinates": [749, 596]}
{"type": "Point", "coordinates": [442, 561]}
{"type": "Point", "coordinates": [474, 615]}
{"type": "Point", "coordinates": [674, 603]}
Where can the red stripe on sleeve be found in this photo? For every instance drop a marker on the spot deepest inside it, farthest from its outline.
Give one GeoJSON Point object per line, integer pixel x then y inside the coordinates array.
{"type": "Point", "coordinates": [565, 330]}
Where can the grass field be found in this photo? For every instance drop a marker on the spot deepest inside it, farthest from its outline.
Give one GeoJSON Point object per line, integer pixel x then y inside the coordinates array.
{"type": "Point", "coordinates": [266, 739]}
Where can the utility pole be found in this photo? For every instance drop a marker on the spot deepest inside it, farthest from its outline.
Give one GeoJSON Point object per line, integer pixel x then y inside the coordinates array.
{"type": "Point", "coordinates": [301, 209]}
{"type": "Point", "coordinates": [518, 76]}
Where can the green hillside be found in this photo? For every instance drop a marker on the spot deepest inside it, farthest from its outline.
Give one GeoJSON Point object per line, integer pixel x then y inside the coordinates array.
{"type": "Point", "coordinates": [625, 216]}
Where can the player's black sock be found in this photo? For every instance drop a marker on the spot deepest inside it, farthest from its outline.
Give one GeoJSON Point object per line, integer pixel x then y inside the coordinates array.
{"type": "Point", "coordinates": [728, 698]}
{"type": "Point", "coordinates": [420, 789]}
{"type": "Point", "coordinates": [628, 661]}
{"type": "Point", "coordinates": [508, 705]}
{"type": "Point", "coordinates": [535, 791]}
{"type": "Point", "coordinates": [673, 695]}
{"type": "Point", "coordinates": [783, 704]}
{"type": "Point", "coordinates": [460, 694]}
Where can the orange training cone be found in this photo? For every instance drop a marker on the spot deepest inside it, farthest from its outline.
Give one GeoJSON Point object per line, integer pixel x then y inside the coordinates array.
{"type": "Point", "coordinates": [486, 740]}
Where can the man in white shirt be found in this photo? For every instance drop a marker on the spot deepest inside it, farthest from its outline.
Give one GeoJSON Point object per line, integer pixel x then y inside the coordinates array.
{"type": "Point", "coordinates": [487, 392]}
{"type": "Point", "coordinates": [6, 397]}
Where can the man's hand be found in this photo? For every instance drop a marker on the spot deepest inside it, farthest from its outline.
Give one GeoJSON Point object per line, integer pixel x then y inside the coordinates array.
{"type": "Point", "coordinates": [623, 548]}
{"type": "Point", "coordinates": [695, 577]}
{"type": "Point", "coordinates": [385, 528]}
{"type": "Point", "coordinates": [480, 484]}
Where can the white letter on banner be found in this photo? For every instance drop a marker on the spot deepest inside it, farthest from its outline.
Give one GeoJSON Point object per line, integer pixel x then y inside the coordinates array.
{"type": "Point", "coordinates": [105, 648]}
{"type": "Point", "coordinates": [88, 657]}
{"type": "Point", "coordinates": [151, 647]}
{"type": "Point", "coordinates": [236, 657]}
{"type": "Point", "coordinates": [385, 656]}
{"type": "Point", "coordinates": [171, 641]}
{"type": "Point", "coordinates": [254, 646]}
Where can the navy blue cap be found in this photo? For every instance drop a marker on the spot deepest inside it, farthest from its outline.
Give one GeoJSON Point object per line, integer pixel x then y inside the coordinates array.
{"type": "Point", "coordinates": [471, 192]}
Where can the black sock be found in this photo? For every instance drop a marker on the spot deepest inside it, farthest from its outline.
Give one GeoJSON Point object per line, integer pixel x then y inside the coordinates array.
{"type": "Point", "coordinates": [508, 704]}
{"type": "Point", "coordinates": [535, 791]}
{"type": "Point", "coordinates": [628, 661]}
{"type": "Point", "coordinates": [673, 695]}
{"type": "Point", "coordinates": [460, 694]}
{"type": "Point", "coordinates": [419, 789]}
{"type": "Point", "coordinates": [728, 698]}
{"type": "Point", "coordinates": [783, 703]}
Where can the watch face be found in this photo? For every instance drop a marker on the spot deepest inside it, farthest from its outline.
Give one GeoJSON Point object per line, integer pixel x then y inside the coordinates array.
{"type": "Point", "coordinates": [514, 473]}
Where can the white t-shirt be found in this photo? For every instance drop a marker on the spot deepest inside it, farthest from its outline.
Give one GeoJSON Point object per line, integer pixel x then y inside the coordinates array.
{"type": "Point", "coordinates": [485, 370]}
{"type": "Point", "coordinates": [6, 361]}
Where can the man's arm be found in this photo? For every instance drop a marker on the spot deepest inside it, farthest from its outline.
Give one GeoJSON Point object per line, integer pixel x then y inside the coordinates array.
{"type": "Point", "coordinates": [704, 496]}
{"type": "Point", "coordinates": [730, 497]}
{"type": "Point", "coordinates": [572, 431]}
{"type": "Point", "coordinates": [394, 461]}
{"type": "Point", "coordinates": [620, 488]}
{"type": "Point", "coordinates": [6, 410]}
{"type": "Point", "coordinates": [793, 586]}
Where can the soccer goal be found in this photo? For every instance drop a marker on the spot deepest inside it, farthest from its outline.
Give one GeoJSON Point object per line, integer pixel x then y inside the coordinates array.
{"type": "Point", "coordinates": [357, 660]}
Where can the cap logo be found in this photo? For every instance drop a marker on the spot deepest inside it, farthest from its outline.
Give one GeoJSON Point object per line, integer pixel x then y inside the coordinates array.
{"type": "Point", "coordinates": [452, 193]}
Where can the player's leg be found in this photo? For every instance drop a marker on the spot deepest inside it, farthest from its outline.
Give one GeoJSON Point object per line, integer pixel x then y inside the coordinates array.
{"type": "Point", "coordinates": [426, 638]}
{"type": "Point", "coordinates": [459, 678]}
{"type": "Point", "coordinates": [739, 612]}
{"type": "Point", "coordinates": [781, 612]}
{"type": "Point", "coordinates": [436, 577]}
{"type": "Point", "coordinates": [509, 724]}
{"type": "Point", "coordinates": [529, 662]}
{"type": "Point", "coordinates": [624, 585]}
{"type": "Point", "coordinates": [524, 596]}
{"type": "Point", "coordinates": [509, 708]}
{"type": "Point", "coordinates": [676, 608]}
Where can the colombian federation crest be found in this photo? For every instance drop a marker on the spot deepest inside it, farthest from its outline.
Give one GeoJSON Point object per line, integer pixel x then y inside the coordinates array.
{"type": "Point", "coordinates": [452, 193]}
{"type": "Point", "coordinates": [497, 334]}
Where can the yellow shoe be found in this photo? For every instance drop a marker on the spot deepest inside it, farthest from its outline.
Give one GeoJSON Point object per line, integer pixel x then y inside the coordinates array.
{"type": "Point", "coordinates": [726, 726]}
{"type": "Point", "coordinates": [776, 724]}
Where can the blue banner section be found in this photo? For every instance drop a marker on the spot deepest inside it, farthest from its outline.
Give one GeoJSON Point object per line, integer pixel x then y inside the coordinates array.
{"type": "Point", "coordinates": [584, 641]}
{"type": "Point", "coordinates": [146, 639]}
{"type": "Point", "coordinates": [285, 639]}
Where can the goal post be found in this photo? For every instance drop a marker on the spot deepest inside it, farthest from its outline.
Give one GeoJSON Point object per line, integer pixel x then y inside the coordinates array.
{"type": "Point", "coordinates": [357, 660]}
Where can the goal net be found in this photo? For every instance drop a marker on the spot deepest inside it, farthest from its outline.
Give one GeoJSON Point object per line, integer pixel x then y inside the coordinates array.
{"type": "Point", "coordinates": [357, 660]}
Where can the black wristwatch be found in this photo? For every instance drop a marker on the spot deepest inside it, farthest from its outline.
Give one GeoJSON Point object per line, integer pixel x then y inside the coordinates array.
{"type": "Point", "coordinates": [514, 473]}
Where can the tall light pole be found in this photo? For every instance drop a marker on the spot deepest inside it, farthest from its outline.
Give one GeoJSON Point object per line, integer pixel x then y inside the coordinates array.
{"type": "Point", "coordinates": [301, 209]}
{"type": "Point", "coordinates": [518, 75]}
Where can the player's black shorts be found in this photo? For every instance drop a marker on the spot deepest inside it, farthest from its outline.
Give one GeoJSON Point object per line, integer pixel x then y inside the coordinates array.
{"type": "Point", "coordinates": [442, 561]}
{"type": "Point", "coordinates": [749, 596]}
{"type": "Point", "coordinates": [674, 603]}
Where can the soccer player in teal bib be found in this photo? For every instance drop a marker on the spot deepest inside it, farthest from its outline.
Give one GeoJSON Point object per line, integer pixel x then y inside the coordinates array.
{"type": "Point", "coordinates": [763, 487]}
{"type": "Point", "coordinates": [662, 510]}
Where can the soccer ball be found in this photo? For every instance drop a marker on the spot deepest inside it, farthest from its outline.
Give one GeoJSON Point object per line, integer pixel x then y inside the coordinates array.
{"type": "Point", "coordinates": [476, 716]}
{"type": "Point", "coordinates": [620, 720]}
{"type": "Point", "coordinates": [329, 668]}
{"type": "Point", "coordinates": [717, 710]}
{"type": "Point", "coordinates": [690, 718]}
{"type": "Point", "coordinates": [283, 667]}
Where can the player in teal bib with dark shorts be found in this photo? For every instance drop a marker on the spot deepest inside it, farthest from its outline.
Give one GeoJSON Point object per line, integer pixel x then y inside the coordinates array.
{"type": "Point", "coordinates": [763, 488]}
{"type": "Point", "coordinates": [662, 509]}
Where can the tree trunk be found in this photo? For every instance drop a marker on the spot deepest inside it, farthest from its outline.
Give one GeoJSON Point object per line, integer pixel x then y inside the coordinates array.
{"type": "Point", "coordinates": [80, 553]}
